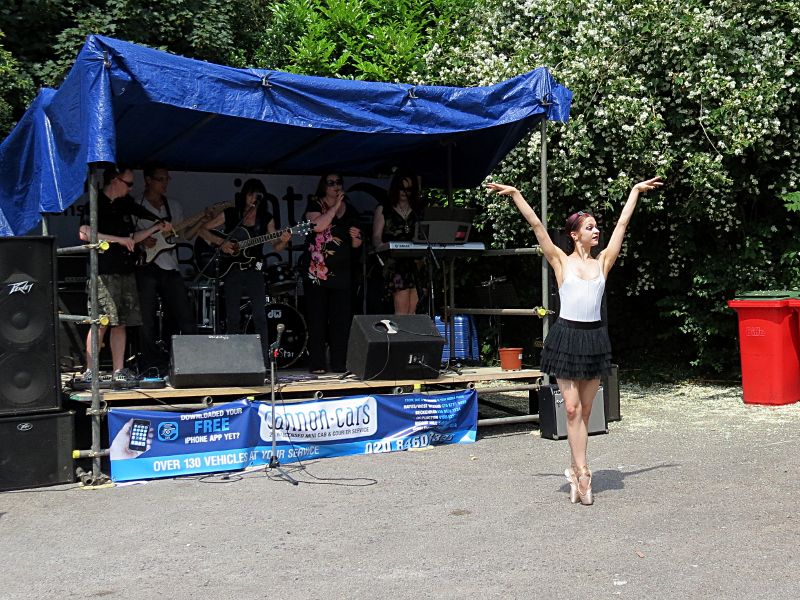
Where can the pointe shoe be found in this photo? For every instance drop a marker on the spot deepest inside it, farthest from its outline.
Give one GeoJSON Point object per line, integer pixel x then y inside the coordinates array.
{"type": "Point", "coordinates": [573, 485]}
{"type": "Point", "coordinates": [586, 497]}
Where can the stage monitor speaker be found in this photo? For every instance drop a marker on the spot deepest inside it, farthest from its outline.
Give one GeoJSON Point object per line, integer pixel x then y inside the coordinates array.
{"type": "Point", "coordinates": [553, 414]}
{"type": "Point", "coordinates": [36, 450]}
{"type": "Point", "coordinates": [216, 361]}
{"type": "Point", "coordinates": [394, 347]}
{"type": "Point", "coordinates": [29, 374]}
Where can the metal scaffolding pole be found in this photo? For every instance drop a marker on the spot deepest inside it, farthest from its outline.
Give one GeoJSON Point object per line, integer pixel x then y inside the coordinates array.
{"type": "Point", "coordinates": [545, 266]}
{"type": "Point", "coordinates": [96, 411]}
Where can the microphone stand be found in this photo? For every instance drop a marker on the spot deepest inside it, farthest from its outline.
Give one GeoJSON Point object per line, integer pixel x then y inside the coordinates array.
{"type": "Point", "coordinates": [447, 318]}
{"type": "Point", "coordinates": [274, 463]}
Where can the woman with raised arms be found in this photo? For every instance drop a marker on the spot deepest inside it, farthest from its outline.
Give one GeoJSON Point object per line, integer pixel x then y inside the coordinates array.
{"type": "Point", "coordinates": [577, 351]}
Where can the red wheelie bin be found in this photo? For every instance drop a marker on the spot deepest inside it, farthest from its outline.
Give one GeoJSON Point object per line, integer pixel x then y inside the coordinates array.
{"type": "Point", "coordinates": [769, 345]}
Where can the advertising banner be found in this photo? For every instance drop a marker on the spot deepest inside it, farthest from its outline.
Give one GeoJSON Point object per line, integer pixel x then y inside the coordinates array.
{"type": "Point", "coordinates": [237, 435]}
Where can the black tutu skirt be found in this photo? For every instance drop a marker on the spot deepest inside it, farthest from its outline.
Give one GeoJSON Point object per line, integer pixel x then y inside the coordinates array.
{"type": "Point", "coordinates": [577, 350]}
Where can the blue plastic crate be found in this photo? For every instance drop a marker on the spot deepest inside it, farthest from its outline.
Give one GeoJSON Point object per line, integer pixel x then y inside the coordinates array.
{"type": "Point", "coordinates": [466, 338]}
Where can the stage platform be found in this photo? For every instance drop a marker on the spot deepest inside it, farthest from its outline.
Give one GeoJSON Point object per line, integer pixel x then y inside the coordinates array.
{"type": "Point", "coordinates": [299, 385]}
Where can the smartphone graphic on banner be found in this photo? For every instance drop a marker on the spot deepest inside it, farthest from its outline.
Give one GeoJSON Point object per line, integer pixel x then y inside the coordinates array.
{"type": "Point", "coordinates": [140, 429]}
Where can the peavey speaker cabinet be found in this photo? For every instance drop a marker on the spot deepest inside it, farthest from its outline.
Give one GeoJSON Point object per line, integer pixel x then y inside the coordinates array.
{"type": "Point", "coordinates": [29, 374]}
{"type": "Point", "coordinates": [36, 450]}
{"type": "Point", "coordinates": [216, 361]}
{"type": "Point", "coordinates": [394, 347]}
{"type": "Point", "coordinates": [553, 414]}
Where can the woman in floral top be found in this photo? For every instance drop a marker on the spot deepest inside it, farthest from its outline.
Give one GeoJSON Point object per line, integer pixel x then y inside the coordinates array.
{"type": "Point", "coordinates": [328, 279]}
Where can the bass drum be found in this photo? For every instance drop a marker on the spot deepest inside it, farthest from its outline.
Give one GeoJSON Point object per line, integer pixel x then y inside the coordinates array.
{"type": "Point", "coordinates": [295, 334]}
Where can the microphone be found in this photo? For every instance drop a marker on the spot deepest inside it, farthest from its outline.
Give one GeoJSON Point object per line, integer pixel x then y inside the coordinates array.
{"type": "Point", "coordinates": [259, 197]}
{"type": "Point", "coordinates": [280, 328]}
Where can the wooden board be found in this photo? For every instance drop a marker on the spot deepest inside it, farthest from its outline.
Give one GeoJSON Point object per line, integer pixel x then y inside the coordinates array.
{"type": "Point", "coordinates": [323, 386]}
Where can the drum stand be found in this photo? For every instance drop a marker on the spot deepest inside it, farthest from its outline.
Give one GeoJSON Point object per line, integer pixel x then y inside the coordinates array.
{"type": "Point", "coordinates": [274, 463]}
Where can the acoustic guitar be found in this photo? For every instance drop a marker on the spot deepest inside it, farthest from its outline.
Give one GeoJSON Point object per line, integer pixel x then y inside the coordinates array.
{"type": "Point", "coordinates": [241, 257]}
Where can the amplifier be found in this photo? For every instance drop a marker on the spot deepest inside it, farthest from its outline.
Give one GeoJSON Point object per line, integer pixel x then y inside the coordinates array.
{"type": "Point", "coordinates": [553, 414]}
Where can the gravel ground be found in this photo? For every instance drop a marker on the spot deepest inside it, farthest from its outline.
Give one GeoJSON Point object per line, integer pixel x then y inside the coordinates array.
{"type": "Point", "coordinates": [695, 498]}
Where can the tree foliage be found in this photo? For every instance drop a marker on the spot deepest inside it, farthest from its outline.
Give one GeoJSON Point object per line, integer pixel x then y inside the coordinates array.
{"type": "Point", "coordinates": [45, 36]}
{"type": "Point", "coordinates": [361, 39]}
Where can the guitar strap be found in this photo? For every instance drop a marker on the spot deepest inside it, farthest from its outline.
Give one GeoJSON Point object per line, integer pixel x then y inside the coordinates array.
{"type": "Point", "coordinates": [169, 212]}
{"type": "Point", "coordinates": [166, 206]}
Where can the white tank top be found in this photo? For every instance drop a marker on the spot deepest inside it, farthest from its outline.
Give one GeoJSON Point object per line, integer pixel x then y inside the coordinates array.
{"type": "Point", "coordinates": [581, 298]}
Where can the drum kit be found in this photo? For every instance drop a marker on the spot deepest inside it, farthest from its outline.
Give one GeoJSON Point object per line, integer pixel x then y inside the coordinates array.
{"type": "Point", "coordinates": [282, 285]}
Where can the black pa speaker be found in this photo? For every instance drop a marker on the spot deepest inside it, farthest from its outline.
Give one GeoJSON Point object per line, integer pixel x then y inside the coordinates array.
{"type": "Point", "coordinates": [553, 414]}
{"type": "Point", "coordinates": [394, 347]}
{"type": "Point", "coordinates": [216, 361]}
{"type": "Point", "coordinates": [36, 450]}
{"type": "Point", "coordinates": [29, 375]}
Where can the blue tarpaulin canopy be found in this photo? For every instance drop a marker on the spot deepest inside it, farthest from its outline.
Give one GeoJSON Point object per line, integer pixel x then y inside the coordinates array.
{"type": "Point", "coordinates": [124, 103]}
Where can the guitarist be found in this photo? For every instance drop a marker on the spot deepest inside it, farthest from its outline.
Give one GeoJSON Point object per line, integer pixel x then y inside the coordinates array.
{"type": "Point", "coordinates": [161, 277]}
{"type": "Point", "coordinates": [249, 218]}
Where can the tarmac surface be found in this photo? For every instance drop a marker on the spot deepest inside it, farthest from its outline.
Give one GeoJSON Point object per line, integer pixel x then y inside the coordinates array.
{"type": "Point", "coordinates": [696, 496]}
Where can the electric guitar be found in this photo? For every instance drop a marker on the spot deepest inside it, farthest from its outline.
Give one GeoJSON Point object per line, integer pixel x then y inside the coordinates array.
{"type": "Point", "coordinates": [241, 258]}
{"type": "Point", "coordinates": [168, 240]}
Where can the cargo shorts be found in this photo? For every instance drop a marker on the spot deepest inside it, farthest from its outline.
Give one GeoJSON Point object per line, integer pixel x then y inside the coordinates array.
{"type": "Point", "coordinates": [118, 297]}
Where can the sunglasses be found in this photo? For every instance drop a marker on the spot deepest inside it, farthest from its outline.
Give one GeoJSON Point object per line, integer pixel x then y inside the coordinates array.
{"type": "Point", "coordinates": [128, 183]}
{"type": "Point", "coordinates": [333, 182]}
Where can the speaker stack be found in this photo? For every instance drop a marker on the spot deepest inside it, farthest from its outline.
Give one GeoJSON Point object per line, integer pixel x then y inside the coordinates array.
{"type": "Point", "coordinates": [37, 439]}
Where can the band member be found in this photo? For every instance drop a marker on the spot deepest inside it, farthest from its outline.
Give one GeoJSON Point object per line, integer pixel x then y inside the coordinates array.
{"type": "Point", "coordinates": [327, 265]}
{"type": "Point", "coordinates": [577, 350]}
{"type": "Point", "coordinates": [161, 277]}
{"type": "Point", "coordinates": [396, 220]}
{"type": "Point", "coordinates": [116, 284]}
{"type": "Point", "coordinates": [249, 218]}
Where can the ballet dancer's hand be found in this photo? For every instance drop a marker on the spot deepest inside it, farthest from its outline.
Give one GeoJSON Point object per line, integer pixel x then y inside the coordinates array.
{"type": "Point", "coordinates": [501, 189]}
{"type": "Point", "coordinates": [650, 184]}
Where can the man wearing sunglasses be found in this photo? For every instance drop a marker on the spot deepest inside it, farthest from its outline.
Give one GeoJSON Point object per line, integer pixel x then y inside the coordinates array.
{"type": "Point", "coordinates": [116, 284]}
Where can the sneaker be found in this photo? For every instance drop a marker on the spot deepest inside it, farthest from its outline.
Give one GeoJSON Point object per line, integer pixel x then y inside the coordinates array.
{"type": "Point", "coordinates": [124, 379]}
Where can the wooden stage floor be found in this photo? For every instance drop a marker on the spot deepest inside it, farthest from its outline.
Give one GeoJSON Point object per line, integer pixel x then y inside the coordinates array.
{"type": "Point", "coordinates": [299, 385]}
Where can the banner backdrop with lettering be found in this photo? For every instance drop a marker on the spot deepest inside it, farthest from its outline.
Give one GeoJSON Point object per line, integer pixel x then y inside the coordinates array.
{"type": "Point", "coordinates": [237, 435]}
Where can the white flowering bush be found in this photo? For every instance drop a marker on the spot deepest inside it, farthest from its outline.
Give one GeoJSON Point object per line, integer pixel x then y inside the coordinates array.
{"type": "Point", "coordinates": [701, 92]}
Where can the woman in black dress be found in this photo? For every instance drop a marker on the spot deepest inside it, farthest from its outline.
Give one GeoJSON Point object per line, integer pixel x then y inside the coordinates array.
{"type": "Point", "coordinates": [327, 277]}
{"type": "Point", "coordinates": [249, 218]}
{"type": "Point", "coordinates": [396, 220]}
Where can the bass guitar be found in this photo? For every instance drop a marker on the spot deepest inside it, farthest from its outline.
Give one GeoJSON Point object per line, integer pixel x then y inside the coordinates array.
{"type": "Point", "coordinates": [241, 257]}
{"type": "Point", "coordinates": [168, 240]}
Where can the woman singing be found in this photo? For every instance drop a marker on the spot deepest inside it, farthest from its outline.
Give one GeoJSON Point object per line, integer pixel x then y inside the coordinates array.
{"type": "Point", "coordinates": [577, 351]}
{"type": "Point", "coordinates": [327, 279]}
{"type": "Point", "coordinates": [396, 221]}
